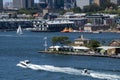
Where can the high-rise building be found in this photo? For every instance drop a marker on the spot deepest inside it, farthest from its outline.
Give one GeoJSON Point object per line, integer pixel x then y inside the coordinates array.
{"type": "Point", "coordinates": [51, 3]}
{"type": "Point", "coordinates": [115, 2]}
{"type": "Point", "coordinates": [58, 4]}
{"type": "Point", "coordinates": [23, 3]}
{"type": "Point", "coordinates": [54, 4]}
{"type": "Point", "coordinates": [100, 2]}
{"type": "Point", "coordinates": [82, 3]}
{"type": "Point", "coordinates": [69, 4]}
{"type": "Point", "coordinates": [29, 3]}
{"type": "Point", "coordinates": [1, 4]}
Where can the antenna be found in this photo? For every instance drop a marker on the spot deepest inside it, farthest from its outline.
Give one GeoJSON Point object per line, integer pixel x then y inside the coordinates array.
{"type": "Point", "coordinates": [45, 44]}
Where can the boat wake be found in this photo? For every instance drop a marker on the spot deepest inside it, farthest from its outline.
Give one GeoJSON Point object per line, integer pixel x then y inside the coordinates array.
{"type": "Point", "coordinates": [72, 71]}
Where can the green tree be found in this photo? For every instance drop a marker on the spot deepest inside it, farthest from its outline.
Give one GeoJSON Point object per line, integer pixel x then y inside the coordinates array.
{"type": "Point", "coordinates": [91, 8]}
{"type": "Point", "coordinates": [29, 11]}
{"type": "Point", "coordinates": [55, 41]}
{"type": "Point", "coordinates": [62, 40]}
{"type": "Point", "coordinates": [108, 5]}
{"type": "Point", "coordinates": [93, 44]}
{"type": "Point", "coordinates": [77, 10]}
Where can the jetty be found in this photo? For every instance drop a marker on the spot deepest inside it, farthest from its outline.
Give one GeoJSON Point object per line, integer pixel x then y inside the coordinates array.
{"type": "Point", "coordinates": [80, 54]}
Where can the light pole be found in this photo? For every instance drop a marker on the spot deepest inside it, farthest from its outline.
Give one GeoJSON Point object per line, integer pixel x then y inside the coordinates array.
{"type": "Point", "coordinates": [45, 44]}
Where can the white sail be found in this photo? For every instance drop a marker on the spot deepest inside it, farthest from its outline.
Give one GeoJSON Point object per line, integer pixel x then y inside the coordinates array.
{"type": "Point", "coordinates": [19, 30]}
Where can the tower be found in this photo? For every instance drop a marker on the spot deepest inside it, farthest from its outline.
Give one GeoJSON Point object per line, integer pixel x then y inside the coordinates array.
{"type": "Point", "coordinates": [1, 4]}
{"type": "Point", "coordinates": [23, 3]}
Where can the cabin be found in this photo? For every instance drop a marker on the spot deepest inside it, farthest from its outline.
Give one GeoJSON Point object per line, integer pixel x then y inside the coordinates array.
{"type": "Point", "coordinates": [109, 50]}
{"type": "Point", "coordinates": [81, 41]}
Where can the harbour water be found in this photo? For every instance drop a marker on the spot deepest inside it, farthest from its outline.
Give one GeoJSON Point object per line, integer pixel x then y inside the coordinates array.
{"type": "Point", "coordinates": [15, 48]}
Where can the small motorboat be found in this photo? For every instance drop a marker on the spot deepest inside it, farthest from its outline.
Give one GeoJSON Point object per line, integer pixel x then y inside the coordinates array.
{"type": "Point", "coordinates": [25, 62]}
{"type": "Point", "coordinates": [85, 71]}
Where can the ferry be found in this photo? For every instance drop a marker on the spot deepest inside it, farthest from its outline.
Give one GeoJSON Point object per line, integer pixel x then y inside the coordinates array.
{"type": "Point", "coordinates": [51, 26]}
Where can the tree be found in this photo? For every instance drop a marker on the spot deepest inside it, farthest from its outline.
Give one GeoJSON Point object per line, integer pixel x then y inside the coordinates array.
{"type": "Point", "coordinates": [91, 8]}
{"type": "Point", "coordinates": [62, 40]}
{"type": "Point", "coordinates": [93, 44]}
{"type": "Point", "coordinates": [108, 5]}
{"type": "Point", "coordinates": [55, 40]}
{"type": "Point", "coordinates": [77, 10]}
{"type": "Point", "coordinates": [29, 11]}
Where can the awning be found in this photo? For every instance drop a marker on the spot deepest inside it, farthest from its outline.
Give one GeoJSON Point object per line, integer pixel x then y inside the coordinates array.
{"type": "Point", "coordinates": [107, 47]}
{"type": "Point", "coordinates": [81, 47]}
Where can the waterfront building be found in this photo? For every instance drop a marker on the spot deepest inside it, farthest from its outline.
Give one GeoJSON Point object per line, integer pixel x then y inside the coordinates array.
{"type": "Point", "coordinates": [108, 50]}
{"type": "Point", "coordinates": [115, 43]}
{"type": "Point", "coordinates": [78, 19]}
{"type": "Point", "coordinates": [51, 26]}
{"type": "Point", "coordinates": [18, 4]}
{"type": "Point", "coordinates": [78, 22]}
{"type": "Point", "coordinates": [1, 4]}
{"type": "Point", "coordinates": [12, 24]}
{"type": "Point", "coordinates": [81, 41]}
{"type": "Point", "coordinates": [101, 21]}
{"type": "Point", "coordinates": [95, 28]}
{"type": "Point", "coordinates": [97, 19]}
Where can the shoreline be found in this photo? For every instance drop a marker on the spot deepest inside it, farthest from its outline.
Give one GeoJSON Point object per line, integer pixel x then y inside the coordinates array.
{"type": "Point", "coordinates": [80, 54]}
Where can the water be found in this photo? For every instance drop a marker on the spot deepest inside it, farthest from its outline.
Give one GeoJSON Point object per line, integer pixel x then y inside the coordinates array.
{"type": "Point", "coordinates": [14, 48]}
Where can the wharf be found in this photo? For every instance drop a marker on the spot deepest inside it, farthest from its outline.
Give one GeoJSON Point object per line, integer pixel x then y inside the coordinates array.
{"type": "Point", "coordinates": [80, 54]}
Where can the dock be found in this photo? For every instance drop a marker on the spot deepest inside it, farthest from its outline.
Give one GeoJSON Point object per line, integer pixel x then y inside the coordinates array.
{"type": "Point", "coordinates": [80, 54]}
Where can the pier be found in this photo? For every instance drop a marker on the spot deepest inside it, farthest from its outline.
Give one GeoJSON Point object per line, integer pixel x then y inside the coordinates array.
{"type": "Point", "coordinates": [80, 54]}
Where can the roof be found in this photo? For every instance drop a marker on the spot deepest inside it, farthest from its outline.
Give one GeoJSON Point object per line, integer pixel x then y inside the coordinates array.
{"type": "Point", "coordinates": [116, 41]}
{"type": "Point", "coordinates": [54, 46]}
{"type": "Point", "coordinates": [80, 47]}
{"type": "Point", "coordinates": [81, 38]}
{"type": "Point", "coordinates": [88, 24]}
{"type": "Point", "coordinates": [78, 39]}
{"type": "Point", "coordinates": [107, 47]}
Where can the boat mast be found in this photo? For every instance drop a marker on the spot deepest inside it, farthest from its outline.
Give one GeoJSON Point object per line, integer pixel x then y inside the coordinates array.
{"type": "Point", "coordinates": [45, 44]}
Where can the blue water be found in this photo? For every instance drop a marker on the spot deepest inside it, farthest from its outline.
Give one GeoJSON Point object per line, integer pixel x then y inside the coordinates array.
{"type": "Point", "coordinates": [14, 48]}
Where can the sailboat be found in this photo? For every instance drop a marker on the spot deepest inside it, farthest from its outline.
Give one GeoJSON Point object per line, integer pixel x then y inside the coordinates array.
{"type": "Point", "coordinates": [19, 30]}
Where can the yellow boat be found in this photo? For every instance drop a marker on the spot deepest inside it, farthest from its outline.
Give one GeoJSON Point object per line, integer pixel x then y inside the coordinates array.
{"type": "Point", "coordinates": [67, 30]}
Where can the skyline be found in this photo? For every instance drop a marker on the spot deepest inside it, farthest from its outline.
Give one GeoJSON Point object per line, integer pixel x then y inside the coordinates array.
{"type": "Point", "coordinates": [4, 1]}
